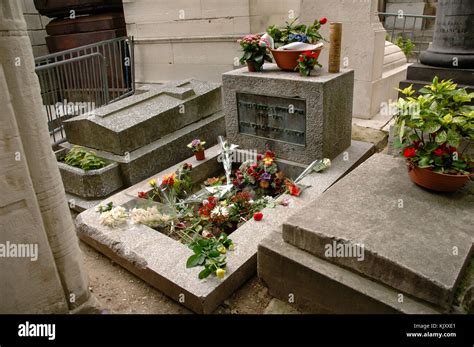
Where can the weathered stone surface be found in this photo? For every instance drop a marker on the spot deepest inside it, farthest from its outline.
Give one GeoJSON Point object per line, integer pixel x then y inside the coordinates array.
{"type": "Point", "coordinates": [160, 260]}
{"type": "Point", "coordinates": [414, 240]}
{"type": "Point", "coordinates": [317, 286]}
{"type": "Point", "coordinates": [167, 151]}
{"type": "Point", "coordinates": [328, 100]}
{"type": "Point", "coordinates": [93, 183]}
{"type": "Point", "coordinates": [136, 121]}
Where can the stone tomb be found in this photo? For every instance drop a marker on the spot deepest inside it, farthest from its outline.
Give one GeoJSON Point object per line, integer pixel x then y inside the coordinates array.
{"type": "Point", "coordinates": [322, 107]}
{"type": "Point", "coordinates": [415, 242]}
{"type": "Point", "coordinates": [161, 261]}
{"type": "Point", "coordinates": [300, 118]}
{"type": "Point", "coordinates": [141, 135]}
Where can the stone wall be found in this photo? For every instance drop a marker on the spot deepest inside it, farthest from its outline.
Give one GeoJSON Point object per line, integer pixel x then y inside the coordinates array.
{"type": "Point", "coordinates": [36, 24]}
{"type": "Point", "coordinates": [197, 38]}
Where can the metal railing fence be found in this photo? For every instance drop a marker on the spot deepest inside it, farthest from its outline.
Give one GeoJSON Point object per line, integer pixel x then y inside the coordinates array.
{"type": "Point", "coordinates": [417, 28]}
{"type": "Point", "coordinates": [77, 81]}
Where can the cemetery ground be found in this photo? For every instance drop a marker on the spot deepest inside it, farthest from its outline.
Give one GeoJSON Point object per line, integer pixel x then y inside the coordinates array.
{"type": "Point", "coordinates": [119, 291]}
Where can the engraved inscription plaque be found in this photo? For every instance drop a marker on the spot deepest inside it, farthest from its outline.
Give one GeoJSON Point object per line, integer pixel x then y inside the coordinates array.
{"type": "Point", "coordinates": [271, 117]}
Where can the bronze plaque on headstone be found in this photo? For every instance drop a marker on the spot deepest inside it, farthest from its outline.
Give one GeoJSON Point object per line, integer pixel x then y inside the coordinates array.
{"type": "Point", "coordinates": [272, 117]}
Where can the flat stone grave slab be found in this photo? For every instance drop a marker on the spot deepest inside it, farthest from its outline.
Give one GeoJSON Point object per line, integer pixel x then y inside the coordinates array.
{"type": "Point", "coordinates": [413, 240]}
{"type": "Point", "coordinates": [303, 118]}
{"type": "Point", "coordinates": [161, 261]}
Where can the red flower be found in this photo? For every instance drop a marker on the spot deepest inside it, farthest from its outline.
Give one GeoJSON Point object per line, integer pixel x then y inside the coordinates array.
{"type": "Point", "coordinates": [142, 195]}
{"type": "Point", "coordinates": [295, 190]}
{"type": "Point", "coordinates": [259, 157]}
{"type": "Point", "coordinates": [301, 59]}
{"type": "Point", "coordinates": [258, 216]}
{"type": "Point", "coordinates": [323, 21]}
{"type": "Point", "coordinates": [439, 152]}
{"type": "Point", "coordinates": [409, 152]}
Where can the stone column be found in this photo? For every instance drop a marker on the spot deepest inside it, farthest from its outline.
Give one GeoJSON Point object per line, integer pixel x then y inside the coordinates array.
{"type": "Point", "coordinates": [33, 206]}
{"type": "Point", "coordinates": [453, 41]}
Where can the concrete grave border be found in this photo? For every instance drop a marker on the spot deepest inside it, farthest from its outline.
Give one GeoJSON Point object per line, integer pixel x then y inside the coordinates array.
{"type": "Point", "coordinates": [160, 260]}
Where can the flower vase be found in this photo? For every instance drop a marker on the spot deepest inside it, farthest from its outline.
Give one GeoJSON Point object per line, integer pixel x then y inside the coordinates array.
{"type": "Point", "coordinates": [200, 155]}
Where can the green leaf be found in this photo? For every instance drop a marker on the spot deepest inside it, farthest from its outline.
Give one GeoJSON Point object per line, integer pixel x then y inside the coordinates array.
{"type": "Point", "coordinates": [193, 261]}
{"type": "Point", "coordinates": [214, 254]}
{"type": "Point", "coordinates": [424, 162]}
{"type": "Point", "coordinates": [453, 138]}
{"type": "Point", "coordinates": [259, 59]}
{"type": "Point", "coordinates": [431, 127]}
{"type": "Point", "coordinates": [204, 273]}
{"type": "Point", "coordinates": [441, 137]}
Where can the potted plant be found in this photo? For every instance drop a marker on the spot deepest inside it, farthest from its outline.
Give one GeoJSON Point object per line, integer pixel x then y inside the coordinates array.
{"type": "Point", "coordinates": [286, 57]}
{"type": "Point", "coordinates": [433, 131]}
{"type": "Point", "coordinates": [255, 52]}
{"type": "Point", "coordinates": [306, 63]}
{"type": "Point", "coordinates": [197, 147]}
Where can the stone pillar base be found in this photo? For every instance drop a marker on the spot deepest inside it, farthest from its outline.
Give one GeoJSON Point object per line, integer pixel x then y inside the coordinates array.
{"type": "Point", "coordinates": [448, 60]}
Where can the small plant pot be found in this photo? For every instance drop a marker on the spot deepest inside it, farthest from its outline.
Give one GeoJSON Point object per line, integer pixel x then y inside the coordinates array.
{"type": "Point", "coordinates": [200, 155]}
{"type": "Point", "coordinates": [251, 66]}
{"type": "Point", "coordinates": [439, 182]}
{"type": "Point", "coordinates": [288, 60]}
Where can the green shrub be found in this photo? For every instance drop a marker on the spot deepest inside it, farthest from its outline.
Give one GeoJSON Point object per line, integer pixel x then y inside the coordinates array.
{"type": "Point", "coordinates": [84, 159]}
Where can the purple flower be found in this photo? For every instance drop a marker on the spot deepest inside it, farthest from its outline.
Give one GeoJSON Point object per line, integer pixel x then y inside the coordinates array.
{"type": "Point", "coordinates": [265, 176]}
{"type": "Point", "coordinates": [195, 142]}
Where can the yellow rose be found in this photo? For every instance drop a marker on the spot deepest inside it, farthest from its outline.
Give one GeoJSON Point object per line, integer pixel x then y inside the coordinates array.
{"type": "Point", "coordinates": [231, 247]}
{"type": "Point", "coordinates": [220, 273]}
{"type": "Point", "coordinates": [222, 250]}
{"type": "Point", "coordinates": [152, 182]}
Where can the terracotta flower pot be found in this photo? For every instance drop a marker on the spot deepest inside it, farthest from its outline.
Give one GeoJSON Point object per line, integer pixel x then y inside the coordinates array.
{"type": "Point", "coordinates": [436, 181]}
{"type": "Point", "coordinates": [287, 60]}
{"type": "Point", "coordinates": [251, 66]}
{"type": "Point", "coordinates": [200, 155]}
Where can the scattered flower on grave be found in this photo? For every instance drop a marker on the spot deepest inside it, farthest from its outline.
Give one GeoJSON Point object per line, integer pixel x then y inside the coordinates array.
{"type": "Point", "coordinates": [306, 63]}
{"type": "Point", "coordinates": [214, 181]}
{"type": "Point", "coordinates": [101, 208]}
{"type": "Point", "coordinates": [142, 195]}
{"type": "Point", "coordinates": [116, 216]}
{"type": "Point", "coordinates": [209, 254]}
{"type": "Point", "coordinates": [150, 216]}
{"type": "Point", "coordinates": [292, 187]}
{"type": "Point", "coordinates": [168, 180]}
{"type": "Point", "coordinates": [284, 202]}
{"type": "Point", "coordinates": [258, 216]}
{"type": "Point", "coordinates": [220, 273]}
{"type": "Point", "coordinates": [180, 225]}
